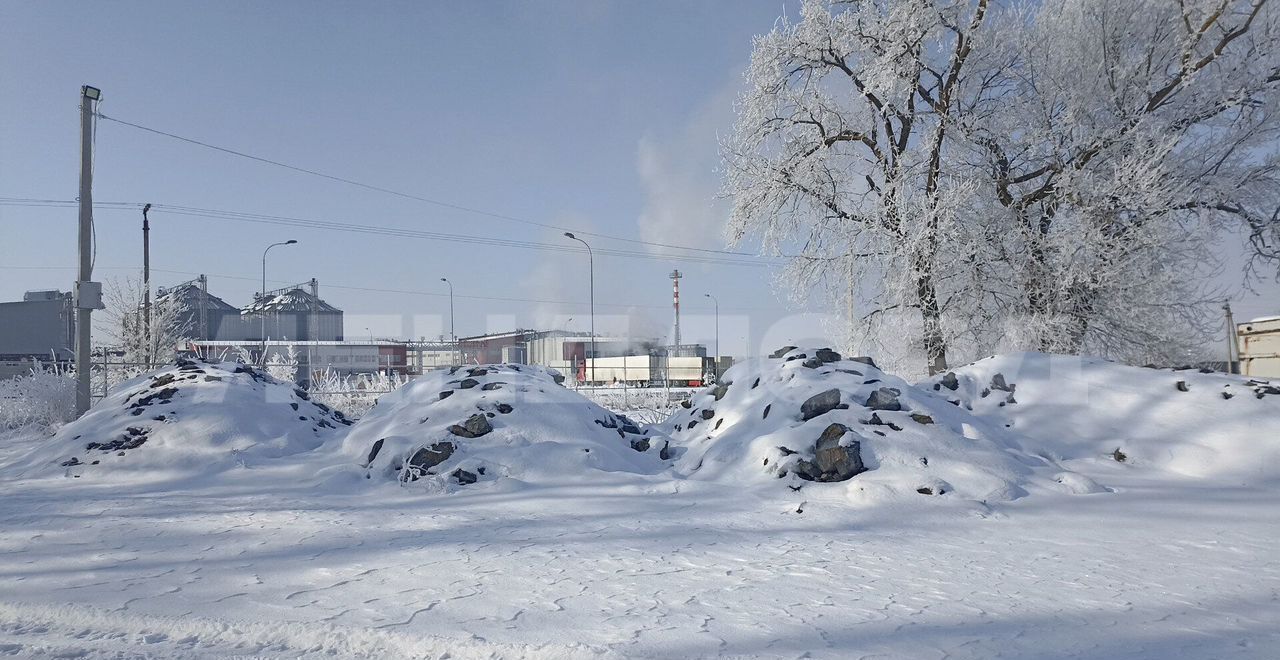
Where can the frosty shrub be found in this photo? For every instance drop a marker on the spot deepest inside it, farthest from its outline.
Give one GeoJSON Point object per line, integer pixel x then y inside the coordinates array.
{"type": "Point", "coordinates": [641, 405]}
{"type": "Point", "coordinates": [353, 395]}
{"type": "Point", "coordinates": [46, 397]}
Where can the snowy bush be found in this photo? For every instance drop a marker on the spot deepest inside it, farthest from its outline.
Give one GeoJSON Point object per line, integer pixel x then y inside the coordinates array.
{"type": "Point", "coordinates": [643, 405]}
{"type": "Point", "coordinates": [353, 395]}
{"type": "Point", "coordinates": [46, 397]}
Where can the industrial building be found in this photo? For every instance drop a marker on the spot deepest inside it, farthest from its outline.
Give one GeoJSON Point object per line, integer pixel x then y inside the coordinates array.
{"type": "Point", "coordinates": [614, 359]}
{"type": "Point", "coordinates": [344, 358]}
{"type": "Point", "coordinates": [294, 312]}
{"type": "Point", "coordinates": [1258, 343]}
{"type": "Point", "coordinates": [41, 326]}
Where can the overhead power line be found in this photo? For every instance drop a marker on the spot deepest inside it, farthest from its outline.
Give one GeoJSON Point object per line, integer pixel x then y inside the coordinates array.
{"type": "Point", "coordinates": [411, 196]}
{"type": "Point", "coordinates": [307, 223]}
{"type": "Point", "coordinates": [345, 287]}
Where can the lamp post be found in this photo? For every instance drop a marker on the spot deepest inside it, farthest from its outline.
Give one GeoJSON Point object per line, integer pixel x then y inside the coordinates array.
{"type": "Point", "coordinates": [591, 263]}
{"type": "Point", "coordinates": [716, 369]}
{"type": "Point", "coordinates": [263, 302]}
{"type": "Point", "coordinates": [146, 286]}
{"type": "Point", "coordinates": [453, 335]}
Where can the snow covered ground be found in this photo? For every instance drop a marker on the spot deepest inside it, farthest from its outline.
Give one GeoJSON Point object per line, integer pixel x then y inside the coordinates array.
{"type": "Point", "coordinates": [284, 557]}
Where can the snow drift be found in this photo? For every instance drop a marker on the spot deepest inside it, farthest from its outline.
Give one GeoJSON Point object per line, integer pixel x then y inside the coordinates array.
{"type": "Point", "coordinates": [184, 420]}
{"type": "Point", "coordinates": [468, 425]}
{"type": "Point", "coordinates": [806, 415]}
{"type": "Point", "coordinates": [1188, 421]}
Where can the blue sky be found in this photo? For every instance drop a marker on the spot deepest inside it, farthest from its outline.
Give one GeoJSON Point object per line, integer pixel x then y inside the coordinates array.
{"type": "Point", "coordinates": [596, 116]}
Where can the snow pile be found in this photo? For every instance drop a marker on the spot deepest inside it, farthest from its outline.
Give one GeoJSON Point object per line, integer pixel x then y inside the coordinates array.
{"type": "Point", "coordinates": [477, 424]}
{"type": "Point", "coordinates": [806, 415]}
{"type": "Point", "coordinates": [192, 418]}
{"type": "Point", "coordinates": [1192, 422]}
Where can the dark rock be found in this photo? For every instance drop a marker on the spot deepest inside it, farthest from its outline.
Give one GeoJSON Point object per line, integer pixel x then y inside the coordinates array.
{"type": "Point", "coordinates": [489, 387]}
{"type": "Point", "coordinates": [876, 421]}
{"type": "Point", "coordinates": [430, 456]}
{"type": "Point", "coordinates": [558, 378]}
{"type": "Point", "coordinates": [950, 381]}
{"type": "Point", "coordinates": [463, 477]}
{"type": "Point", "coordinates": [373, 452]}
{"type": "Point", "coordinates": [161, 381]}
{"type": "Point", "coordinates": [884, 398]}
{"type": "Point", "coordinates": [665, 452]}
{"type": "Point", "coordinates": [294, 405]}
{"type": "Point", "coordinates": [766, 411]}
{"type": "Point", "coordinates": [812, 363]}
{"type": "Point", "coordinates": [925, 490]}
{"type": "Point", "coordinates": [474, 427]}
{"type": "Point", "coordinates": [446, 394]}
{"type": "Point", "coordinates": [468, 383]}
{"type": "Point", "coordinates": [1183, 386]}
{"type": "Point", "coordinates": [163, 396]}
{"type": "Point", "coordinates": [504, 408]}
{"type": "Point", "coordinates": [686, 404]}
{"type": "Point", "coordinates": [786, 452]}
{"type": "Point", "coordinates": [477, 372]}
{"type": "Point", "coordinates": [797, 357]}
{"type": "Point", "coordinates": [998, 383]}
{"type": "Point", "coordinates": [212, 379]}
{"type": "Point", "coordinates": [708, 413]}
{"type": "Point", "coordinates": [693, 423]}
{"type": "Point", "coordinates": [755, 384]}
{"type": "Point", "coordinates": [1119, 456]}
{"type": "Point", "coordinates": [1226, 394]}
{"type": "Point", "coordinates": [302, 394]}
{"type": "Point", "coordinates": [782, 351]}
{"type": "Point", "coordinates": [720, 391]}
{"type": "Point", "coordinates": [641, 445]}
{"type": "Point", "coordinates": [819, 404]}
{"type": "Point", "coordinates": [832, 460]}
{"type": "Point", "coordinates": [71, 462]}
{"type": "Point", "coordinates": [827, 355]}
{"type": "Point", "coordinates": [718, 423]}
{"type": "Point", "coordinates": [921, 418]}
{"type": "Point", "coordinates": [865, 360]}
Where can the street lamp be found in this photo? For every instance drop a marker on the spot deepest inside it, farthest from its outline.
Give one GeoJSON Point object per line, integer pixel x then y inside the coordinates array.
{"type": "Point", "coordinates": [591, 263]}
{"type": "Point", "coordinates": [263, 302]}
{"type": "Point", "coordinates": [453, 335]}
{"type": "Point", "coordinates": [717, 362]}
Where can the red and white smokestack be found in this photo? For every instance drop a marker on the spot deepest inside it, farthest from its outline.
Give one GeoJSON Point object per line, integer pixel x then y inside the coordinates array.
{"type": "Point", "coordinates": [675, 302]}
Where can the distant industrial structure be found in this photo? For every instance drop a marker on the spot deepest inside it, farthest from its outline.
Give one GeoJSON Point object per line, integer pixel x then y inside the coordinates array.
{"type": "Point", "coordinates": [1258, 342]}
{"type": "Point", "coordinates": [293, 313]}
{"type": "Point", "coordinates": [616, 359]}
{"type": "Point", "coordinates": [42, 326]}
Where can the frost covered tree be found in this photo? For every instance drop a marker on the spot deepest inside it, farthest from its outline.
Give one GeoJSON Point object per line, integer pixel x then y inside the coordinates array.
{"type": "Point", "coordinates": [842, 157]}
{"type": "Point", "coordinates": [1128, 135]}
{"type": "Point", "coordinates": [144, 347]}
{"type": "Point", "coordinates": [1047, 176]}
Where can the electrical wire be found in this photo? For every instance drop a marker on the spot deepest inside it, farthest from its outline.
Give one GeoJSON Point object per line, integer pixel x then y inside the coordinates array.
{"type": "Point", "coordinates": [405, 195]}
{"type": "Point", "coordinates": [307, 223]}
{"type": "Point", "coordinates": [367, 289]}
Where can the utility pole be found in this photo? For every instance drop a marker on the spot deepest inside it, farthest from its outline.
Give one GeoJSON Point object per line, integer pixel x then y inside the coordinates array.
{"type": "Point", "coordinates": [88, 293]}
{"type": "Point", "coordinates": [1231, 338]}
{"type": "Point", "coordinates": [591, 263]}
{"type": "Point", "coordinates": [146, 284]}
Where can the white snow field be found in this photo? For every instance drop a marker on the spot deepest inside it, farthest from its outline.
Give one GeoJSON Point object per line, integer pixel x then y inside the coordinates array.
{"type": "Point", "coordinates": [237, 530]}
